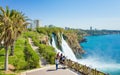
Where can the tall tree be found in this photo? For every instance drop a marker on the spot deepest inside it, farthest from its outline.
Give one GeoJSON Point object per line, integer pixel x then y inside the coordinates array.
{"type": "Point", "coordinates": [8, 18]}
{"type": "Point", "coordinates": [19, 25]}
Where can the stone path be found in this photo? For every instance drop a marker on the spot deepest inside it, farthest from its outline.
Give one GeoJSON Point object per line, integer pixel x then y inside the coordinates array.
{"type": "Point", "coordinates": [32, 44]}
{"type": "Point", "coordinates": [35, 48]}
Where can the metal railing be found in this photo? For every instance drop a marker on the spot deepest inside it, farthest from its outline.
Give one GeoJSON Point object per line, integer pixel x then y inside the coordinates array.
{"type": "Point", "coordinates": [85, 70]}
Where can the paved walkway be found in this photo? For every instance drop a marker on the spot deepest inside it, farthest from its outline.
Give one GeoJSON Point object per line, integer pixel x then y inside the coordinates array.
{"type": "Point", "coordinates": [50, 70]}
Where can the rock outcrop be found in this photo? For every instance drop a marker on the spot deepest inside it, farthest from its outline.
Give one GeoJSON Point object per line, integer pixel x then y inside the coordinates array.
{"type": "Point", "coordinates": [44, 40]}
{"type": "Point", "coordinates": [71, 38]}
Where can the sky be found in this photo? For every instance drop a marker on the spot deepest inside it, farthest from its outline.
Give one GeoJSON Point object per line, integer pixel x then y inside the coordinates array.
{"type": "Point", "coordinates": [100, 14]}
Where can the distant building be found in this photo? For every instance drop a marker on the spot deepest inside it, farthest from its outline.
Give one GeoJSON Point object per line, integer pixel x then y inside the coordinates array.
{"type": "Point", "coordinates": [34, 24]}
{"type": "Point", "coordinates": [91, 28]}
{"type": "Point", "coordinates": [37, 23]}
{"type": "Point", "coordinates": [91, 31]}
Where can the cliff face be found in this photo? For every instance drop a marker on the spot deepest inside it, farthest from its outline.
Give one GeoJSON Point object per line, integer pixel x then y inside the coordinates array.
{"type": "Point", "coordinates": [44, 39]}
{"type": "Point", "coordinates": [71, 38]}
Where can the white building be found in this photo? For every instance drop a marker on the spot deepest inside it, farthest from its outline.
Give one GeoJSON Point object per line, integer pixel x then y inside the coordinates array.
{"type": "Point", "coordinates": [37, 23]}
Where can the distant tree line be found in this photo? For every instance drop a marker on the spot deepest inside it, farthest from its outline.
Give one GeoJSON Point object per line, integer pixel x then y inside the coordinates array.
{"type": "Point", "coordinates": [101, 32]}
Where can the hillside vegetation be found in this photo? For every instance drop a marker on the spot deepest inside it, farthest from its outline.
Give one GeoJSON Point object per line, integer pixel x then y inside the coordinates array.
{"type": "Point", "coordinates": [20, 60]}
{"type": "Point", "coordinates": [46, 51]}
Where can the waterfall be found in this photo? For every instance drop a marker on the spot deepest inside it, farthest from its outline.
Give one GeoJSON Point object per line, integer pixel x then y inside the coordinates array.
{"type": "Point", "coordinates": [68, 51]}
{"type": "Point", "coordinates": [54, 45]}
{"type": "Point", "coordinates": [65, 48]}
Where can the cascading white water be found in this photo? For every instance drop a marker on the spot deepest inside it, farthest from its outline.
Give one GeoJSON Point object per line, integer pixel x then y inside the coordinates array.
{"type": "Point", "coordinates": [54, 45]}
{"type": "Point", "coordinates": [68, 51]}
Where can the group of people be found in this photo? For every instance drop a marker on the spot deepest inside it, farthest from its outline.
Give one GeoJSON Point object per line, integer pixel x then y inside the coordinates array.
{"type": "Point", "coordinates": [59, 59]}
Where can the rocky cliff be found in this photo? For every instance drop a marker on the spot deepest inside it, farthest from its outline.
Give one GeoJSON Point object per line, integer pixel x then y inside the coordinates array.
{"type": "Point", "coordinates": [70, 36]}
{"type": "Point", "coordinates": [72, 41]}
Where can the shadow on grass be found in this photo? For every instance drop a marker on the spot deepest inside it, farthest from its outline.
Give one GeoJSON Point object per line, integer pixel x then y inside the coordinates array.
{"type": "Point", "coordinates": [1, 69]}
{"type": "Point", "coordinates": [2, 55]}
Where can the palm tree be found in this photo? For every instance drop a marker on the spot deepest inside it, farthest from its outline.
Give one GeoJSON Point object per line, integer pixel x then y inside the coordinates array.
{"type": "Point", "coordinates": [11, 23]}
{"type": "Point", "coordinates": [6, 34]}
{"type": "Point", "coordinates": [19, 25]}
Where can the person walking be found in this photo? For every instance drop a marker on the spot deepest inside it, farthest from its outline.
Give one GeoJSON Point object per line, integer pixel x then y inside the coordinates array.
{"type": "Point", "coordinates": [56, 62]}
{"type": "Point", "coordinates": [61, 56]}
{"type": "Point", "coordinates": [63, 61]}
{"type": "Point", "coordinates": [58, 55]}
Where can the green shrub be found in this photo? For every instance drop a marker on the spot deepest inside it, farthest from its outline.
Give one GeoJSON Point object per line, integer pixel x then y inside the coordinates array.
{"type": "Point", "coordinates": [20, 65]}
{"type": "Point", "coordinates": [36, 42]}
{"type": "Point", "coordinates": [31, 57]}
{"type": "Point", "coordinates": [18, 60]}
{"type": "Point", "coordinates": [47, 52]}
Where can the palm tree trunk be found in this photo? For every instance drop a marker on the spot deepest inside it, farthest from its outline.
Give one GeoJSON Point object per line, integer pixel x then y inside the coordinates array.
{"type": "Point", "coordinates": [12, 49]}
{"type": "Point", "coordinates": [6, 58]}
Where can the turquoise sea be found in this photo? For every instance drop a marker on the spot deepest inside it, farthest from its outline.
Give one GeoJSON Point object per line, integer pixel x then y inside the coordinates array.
{"type": "Point", "coordinates": [102, 53]}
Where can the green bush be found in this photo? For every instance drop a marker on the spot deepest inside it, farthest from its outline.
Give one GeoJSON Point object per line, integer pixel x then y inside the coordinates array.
{"type": "Point", "coordinates": [19, 65]}
{"type": "Point", "coordinates": [31, 57]}
{"type": "Point", "coordinates": [36, 42]}
{"type": "Point", "coordinates": [47, 52]}
{"type": "Point", "coordinates": [18, 60]}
